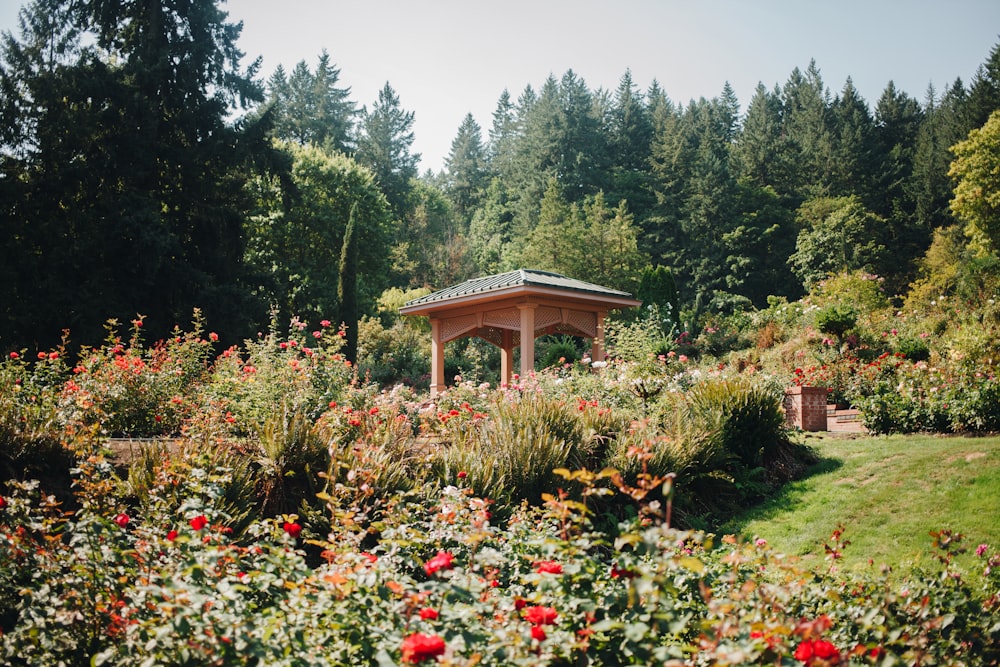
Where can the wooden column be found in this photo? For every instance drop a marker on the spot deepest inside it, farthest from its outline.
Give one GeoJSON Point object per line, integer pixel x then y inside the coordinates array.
{"type": "Point", "coordinates": [437, 358]}
{"type": "Point", "coordinates": [527, 337]}
{"type": "Point", "coordinates": [597, 352]}
{"type": "Point", "coordinates": [506, 356]}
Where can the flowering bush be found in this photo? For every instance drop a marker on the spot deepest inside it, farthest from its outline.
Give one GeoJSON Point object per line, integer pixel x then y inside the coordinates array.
{"type": "Point", "coordinates": [440, 581]}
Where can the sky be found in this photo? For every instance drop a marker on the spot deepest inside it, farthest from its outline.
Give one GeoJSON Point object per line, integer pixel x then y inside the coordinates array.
{"type": "Point", "coordinates": [449, 58]}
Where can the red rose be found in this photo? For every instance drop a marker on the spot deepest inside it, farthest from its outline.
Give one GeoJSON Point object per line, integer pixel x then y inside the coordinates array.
{"type": "Point", "coordinates": [548, 567]}
{"type": "Point", "coordinates": [443, 561]}
{"type": "Point", "coordinates": [419, 647]}
{"type": "Point", "coordinates": [811, 650]}
{"type": "Point", "coordinates": [462, 474]}
{"type": "Point", "coordinates": [540, 615]}
{"type": "Point", "coordinates": [199, 522]}
{"type": "Point", "coordinates": [538, 633]}
{"type": "Point", "coordinates": [14, 355]}
{"type": "Point", "coordinates": [428, 613]}
{"type": "Point", "coordinates": [292, 529]}
{"type": "Point", "coordinates": [122, 520]}
{"type": "Point", "coordinates": [171, 535]}
{"type": "Point", "coordinates": [3, 503]}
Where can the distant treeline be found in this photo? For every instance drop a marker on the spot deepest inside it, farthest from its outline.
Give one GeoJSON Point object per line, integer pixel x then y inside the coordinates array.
{"type": "Point", "coordinates": [144, 171]}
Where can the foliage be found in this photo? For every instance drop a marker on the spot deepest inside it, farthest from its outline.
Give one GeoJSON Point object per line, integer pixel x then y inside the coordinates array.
{"type": "Point", "coordinates": [173, 586]}
{"type": "Point", "coordinates": [977, 190]}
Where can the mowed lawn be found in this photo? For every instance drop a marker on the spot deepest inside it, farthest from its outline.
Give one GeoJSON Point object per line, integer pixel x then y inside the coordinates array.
{"type": "Point", "coordinates": [889, 494]}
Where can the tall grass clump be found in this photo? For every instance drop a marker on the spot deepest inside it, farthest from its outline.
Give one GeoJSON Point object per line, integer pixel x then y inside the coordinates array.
{"type": "Point", "coordinates": [513, 452]}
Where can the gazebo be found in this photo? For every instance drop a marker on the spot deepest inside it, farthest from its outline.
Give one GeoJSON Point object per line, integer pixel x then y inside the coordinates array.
{"type": "Point", "coordinates": [511, 309]}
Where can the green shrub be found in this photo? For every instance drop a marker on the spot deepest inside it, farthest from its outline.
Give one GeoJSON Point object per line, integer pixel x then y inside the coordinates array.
{"type": "Point", "coordinates": [836, 319]}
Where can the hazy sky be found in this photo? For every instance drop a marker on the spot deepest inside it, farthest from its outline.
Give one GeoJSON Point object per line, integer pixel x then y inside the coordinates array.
{"type": "Point", "coordinates": [447, 58]}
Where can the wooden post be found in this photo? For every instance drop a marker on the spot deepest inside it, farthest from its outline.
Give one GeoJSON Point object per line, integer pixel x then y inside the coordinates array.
{"type": "Point", "coordinates": [437, 358]}
{"type": "Point", "coordinates": [527, 337]}
{"type": "Point", "coordinates": [597, 352]}
{"type": "Point", "coordinates": [506, 356]}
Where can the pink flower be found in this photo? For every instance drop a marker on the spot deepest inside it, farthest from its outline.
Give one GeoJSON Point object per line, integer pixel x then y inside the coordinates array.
{"type": "Point", "coordinates": [292, 529]}
{"type": "Point", "coordinates": [214, 337]}
{"type": "Point", "coordinates": [539, 615]}
{"type": "Point", "coordinates": [682, 358]}
{"type": "Point", "coordinates": [428, 613]}
{"type": "Point", "coordinates": [324, 323]}
{"type": "Point", "coordinates": [548, 567]}
{"type": "Point", "coordinates": [443, 561]}
{"type": "Point", "coordinates": [980, 550]}
{"type": "Point", "coordinates": [199, 522]}
{"type": "Point", "coordinates": [419, 647]}
{"type": "Point", "coordinates": [122, 520]}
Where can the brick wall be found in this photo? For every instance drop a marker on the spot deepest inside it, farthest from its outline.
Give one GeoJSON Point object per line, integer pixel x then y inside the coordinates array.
{"type": "Point", "coordinates": [805, 408]}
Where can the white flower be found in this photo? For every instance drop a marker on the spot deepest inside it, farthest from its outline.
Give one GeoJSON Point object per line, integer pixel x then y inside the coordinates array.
{"type": "Point", "coordinates": [599, 364]}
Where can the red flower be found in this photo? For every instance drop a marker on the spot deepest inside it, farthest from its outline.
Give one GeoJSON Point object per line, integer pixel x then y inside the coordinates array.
{"type": "Point", "coordinates": [811, 650]}
{"type": "Point", "coordinates": [292, 529]}
{"type": "Point", "coordinates": [419, 647]}
{"type": "Point", "coordinates": [462, 474]}
{"type": "Point", "coordinates": [171, 535]}
{"type": "Point", "coordinates": [538, 633]}
{"type": "Point", "coordinates": [428, 613]}
{"type": "Point", "coordinates": [324, 323]}
{"type": "Point", "coordinates": [540, 615]}
{"type": "Point", "coordinates": [199, 522]}
{"type": "Point", "coordinates": [520, 603]}
{"type": "Point", "coordinates": [3, 503]}
{"type": "Point", "coordinates": [548, 567]}
{"type": "Point", "coordinates": [14, 355]}
{"type": "Point", "coordinates": [214, 337]}
{"type": "Point", "coordinates": [443, 561]}
{"type": "Point", "coordinates": [122, 520]}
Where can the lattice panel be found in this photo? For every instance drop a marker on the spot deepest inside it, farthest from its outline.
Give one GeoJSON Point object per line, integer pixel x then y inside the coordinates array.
{"type": "Point", "coordinates": [546, 317]}
{"type": "Point", "coordinates": [508, 318]}
{"type": "Point", "coordinates": [456, 326]}
{"type": "Point", "coordinates": [585, 323]}
{"type": "Point", "coordinates": [491, 335]}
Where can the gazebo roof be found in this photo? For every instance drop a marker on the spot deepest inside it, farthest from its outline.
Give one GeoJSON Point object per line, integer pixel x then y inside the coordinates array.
{"type": "Point", "coordinates": [517, 283]}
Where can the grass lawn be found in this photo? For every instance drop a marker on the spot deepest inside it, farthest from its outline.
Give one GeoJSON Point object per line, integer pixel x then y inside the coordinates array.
{"type": "Point", "coordinates": [889, 493]}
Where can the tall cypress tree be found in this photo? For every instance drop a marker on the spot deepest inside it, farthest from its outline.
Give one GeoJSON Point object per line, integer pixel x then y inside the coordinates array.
{"type": "Point", "coordinates": [347, 286]}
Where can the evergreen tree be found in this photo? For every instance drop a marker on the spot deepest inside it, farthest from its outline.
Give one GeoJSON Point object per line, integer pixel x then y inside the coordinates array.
{"type": "Point", "coordinates": [930, 186]}
{"type": "Point", "coordinates": [984, 92]}
{"type": "Point", "coordinates": [809, 156]}
{"type": "Point", "coordinates": [852, 129]}
{"type": "Point", "coordinates": [465, 169]}
{"type": "Point", "coordinates": [630, 135]}
{"type": "Point", "coordinates": [491, 230]}
{"type": "Point", "coordinates": [502, 138]}
{"type": "Point", "coordinates": [384, 147]}
{"type": "Point", "coordinates": [118, 122]}
{"type": "Point", "coordinates": [347, 286]}
{"type": "Point", "coordinates": [309, 108]}
{"type": "Point", "coordinates": [760, 147]}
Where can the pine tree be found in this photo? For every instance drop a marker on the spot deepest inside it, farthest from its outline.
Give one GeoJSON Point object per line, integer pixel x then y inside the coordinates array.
{"type": "Point", "coordinates": [309, 108]}
{"type": "Point", "coordinates": [465, 169]}
{"type": "Point", "coordinates": [384, 147]}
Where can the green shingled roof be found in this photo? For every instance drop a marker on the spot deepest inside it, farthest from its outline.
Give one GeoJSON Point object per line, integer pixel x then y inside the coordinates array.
{"type": "Point", "coordinates": [518, 278]}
